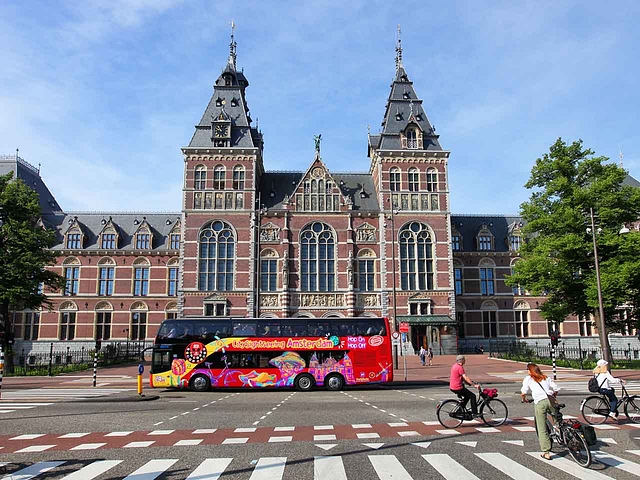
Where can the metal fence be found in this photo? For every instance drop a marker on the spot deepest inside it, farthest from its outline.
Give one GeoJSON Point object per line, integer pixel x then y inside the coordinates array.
{"type": "Point", "coordinates": [578, 353]}
{"type": "Point", "coordinates": [65, 360]}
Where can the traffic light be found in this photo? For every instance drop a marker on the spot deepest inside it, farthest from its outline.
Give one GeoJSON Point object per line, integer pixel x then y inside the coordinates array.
{"type": "Point", "coordinates": [554, 339]}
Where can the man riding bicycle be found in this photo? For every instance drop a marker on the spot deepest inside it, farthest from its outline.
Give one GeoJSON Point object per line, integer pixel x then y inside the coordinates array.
{"type": "Point", "coordinates": [457, 380]}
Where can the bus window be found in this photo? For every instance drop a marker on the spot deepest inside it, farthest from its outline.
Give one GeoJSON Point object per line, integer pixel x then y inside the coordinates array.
{"type": "Point", "coordinates": [293, 328]}
{"type": "Point", "coordinates": [268, 328]}
{"type": "Point", "coordinates": [220, 328]}
{"type": "Point", "coordinates": [177, 329]}
{"type": "Point", "coordinates": [244, 329]}
{"type": "Point", "coordinates": [318, 328]}
{"type": "Point", "coordinates": [343, 327]}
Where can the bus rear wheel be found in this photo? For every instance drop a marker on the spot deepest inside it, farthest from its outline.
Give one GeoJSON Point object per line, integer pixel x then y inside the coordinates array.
{"type": "Point", "coordinates": [334, 382]}
{"type": "Point", "coordinates": [304, 382]}
{"type": "Point", "coordinates": [200, 383]}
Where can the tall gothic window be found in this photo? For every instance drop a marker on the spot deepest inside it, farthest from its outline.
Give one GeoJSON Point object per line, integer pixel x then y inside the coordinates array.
{"type": "Point", "coordinates": [521, 319]}
{"type": "Point", "coordinates": [458, 279]}
{"type": "Point", "coordinates": [486, 281]}
{"type": "Point", "coordinates": [317, 251]}
{"type": "Point", "coordinates": [268, 271]}
{"type": "Point", "coordinates": [414, 182]}
{"type": "Point", "coordinates": [106, 278]}
{"type": "Point", "coordinates": [72, 275]}
{"type": "Point", "coordinates": [366, 271]}
{"type": "Point", "coordinates": [416, 257]}
{"type": "Point", "coordinates": [217, 255]}
{"type": "Point", "coordinates": [200, 178]}
{"type": "Point", "coordinates": [67, 328]}
{"type": "Point", "coordinates": [394, 179]}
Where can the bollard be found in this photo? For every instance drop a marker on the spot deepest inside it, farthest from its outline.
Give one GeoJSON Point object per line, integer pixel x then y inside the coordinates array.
{"type": "Point", "coordinates": [1, 368]}
{"type": "Point", "coordinates": [95, 367]}
{"type": "Point", "coordinates": [140, 372]}
{"type": "Point", "coordinates": [51, 360]}
{"type": "Point", "coordinates": [553, 361]}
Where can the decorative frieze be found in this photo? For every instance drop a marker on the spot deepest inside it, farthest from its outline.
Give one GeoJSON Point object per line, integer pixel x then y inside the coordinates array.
{"type": "Point", "coordinates": [318, 300]}
{"type": "Point", "coordinates": [269, 301]}
{"type": "Point", "coordinates": [366, 233]}
{"type": "Point", "coordinates": [269, 233]}
{"type": "Point", "coordinates": [365, 300]}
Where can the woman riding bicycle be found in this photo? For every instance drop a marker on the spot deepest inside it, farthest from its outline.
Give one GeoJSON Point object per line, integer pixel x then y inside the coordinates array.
{"type": "Point", "coordinates": [605, 379]}
{"type": "Point", "coordinates": [541, 387]}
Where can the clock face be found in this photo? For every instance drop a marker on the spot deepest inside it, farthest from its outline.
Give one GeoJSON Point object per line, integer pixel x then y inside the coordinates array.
{"type": "Point", "coordinates": [220, 130]}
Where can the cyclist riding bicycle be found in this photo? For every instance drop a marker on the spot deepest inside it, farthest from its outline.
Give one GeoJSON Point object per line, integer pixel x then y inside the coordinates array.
{"type": "Point", "coordinates": [605, 380]}
{"type": "Point", "coordinates": [457, 380]}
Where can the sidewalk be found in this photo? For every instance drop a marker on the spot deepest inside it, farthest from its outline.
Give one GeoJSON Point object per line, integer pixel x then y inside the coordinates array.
{"type": "Point", "coordinates": [484, 369]}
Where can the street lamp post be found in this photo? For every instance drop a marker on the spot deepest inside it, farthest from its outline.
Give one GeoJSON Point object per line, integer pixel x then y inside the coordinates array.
{"type": "Point", "coordinates": [394, 212]}
{"type": "Point", "coordinates": [602, 329]}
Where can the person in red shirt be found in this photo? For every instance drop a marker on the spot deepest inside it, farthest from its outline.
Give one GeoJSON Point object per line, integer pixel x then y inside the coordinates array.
{"type": "Point", "coordinates": [456, 384]}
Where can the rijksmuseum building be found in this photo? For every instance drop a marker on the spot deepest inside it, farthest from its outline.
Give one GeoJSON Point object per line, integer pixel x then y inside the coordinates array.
{"type": "Point", "coordinates": [250, 242]}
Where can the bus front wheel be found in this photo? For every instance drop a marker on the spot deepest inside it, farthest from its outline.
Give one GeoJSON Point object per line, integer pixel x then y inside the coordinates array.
{"type": "Point", "coordinates": [334, 382]}
{"type": "Point", "coordinates": [200, 383]}
{"type": "Point", "coordinates": [304, 382]}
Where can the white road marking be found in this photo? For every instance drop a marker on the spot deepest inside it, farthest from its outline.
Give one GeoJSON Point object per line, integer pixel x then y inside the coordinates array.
{"type": "Point", "coordinates": [328, 468]}
{"type": "Point", "coordinates": [269, 468]}
{"type": "Point", "coordinates": [448, 467]}
{"type": "Point", "coordinates": [32, 471]}
{"type": "Point", "coordinates": [617, 462]}
{"type": "Point", "coordinates": [570, 467]}
{"type": "Point", "coordinates": [88, 446]}
{"type": "Point", "coordinates": [509, 467]}
{"type": "Point", "coordinates": [93, 470]}
{"type": "Point", "coordinates": [152, 469]}
{"type": "Point", "coordinates": [210, 469]}
{"type": "Point", "coordinates": [388, 467]}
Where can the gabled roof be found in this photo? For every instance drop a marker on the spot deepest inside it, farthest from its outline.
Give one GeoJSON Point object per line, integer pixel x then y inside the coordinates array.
{"type": "Point", "coordinates": [500, 226]}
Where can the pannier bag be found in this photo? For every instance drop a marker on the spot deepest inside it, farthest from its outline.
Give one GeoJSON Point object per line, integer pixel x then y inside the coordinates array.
{"type": "Point", "coordinates": [490, 392]}
{"type": "Point", "coordinates": [589, 434]}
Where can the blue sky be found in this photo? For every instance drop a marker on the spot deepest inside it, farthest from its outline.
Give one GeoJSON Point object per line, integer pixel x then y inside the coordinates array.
{"type": "Point", "coordinates": [104, 93]}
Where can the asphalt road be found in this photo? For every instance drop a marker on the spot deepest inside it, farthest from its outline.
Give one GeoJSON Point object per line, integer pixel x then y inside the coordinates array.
{"type": "Point", "coordinates": [364, 433]}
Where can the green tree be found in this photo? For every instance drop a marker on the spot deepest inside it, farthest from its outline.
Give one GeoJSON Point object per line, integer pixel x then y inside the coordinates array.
{"type": "Point", "coordinates": [24, 254]}
{"type": "Point", "coordinates": [557, 260]}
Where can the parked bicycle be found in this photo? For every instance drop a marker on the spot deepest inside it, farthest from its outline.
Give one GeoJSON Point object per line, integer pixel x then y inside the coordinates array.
{"type": "Point", "coordinates": [596, 408]}
{"type": "Point", "coordinates": [568, 434]}
{"type": "Point", "coordinates": [493, 412]}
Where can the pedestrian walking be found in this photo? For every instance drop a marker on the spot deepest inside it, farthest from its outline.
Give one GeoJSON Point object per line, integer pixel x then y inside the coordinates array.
{"type": "Point", "coordinates": [605, 380]}
{"type": "Point", "coordinates": [422, 353]}
{"type": "Point", "coordinates": [430, 356]}
{"type": "Point", "coordinates": [542, 389]}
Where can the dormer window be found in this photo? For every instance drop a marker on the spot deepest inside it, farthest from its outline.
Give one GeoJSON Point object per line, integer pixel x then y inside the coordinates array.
{"type": "Point", "coordinates": [485, 240]}
{"type": "Point", "coordinates": [406, 95]}
{"type": "Point", "coordinates": [515, 241]}
{"type": "Point", "coordinates": [219, 102]}
{"type": "Point", "coordinates": [412, 138]}
{"type": "Point", "coordinates": [108, 241]}
{"type": "Point", "coordinates": [74, 240]}
{"type": "Point", "coordinates": [143, 241]}
{"type": "Point", "coordinates": [227, 80]}
{"type": "Point", "coordinates": [234, 102]}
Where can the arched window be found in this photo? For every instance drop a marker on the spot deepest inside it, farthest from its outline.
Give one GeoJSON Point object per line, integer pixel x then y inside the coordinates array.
{"type": "Point", "coordinates": [414, 180]}
{"type": "Point", "coordinates": [67, 327]}
{"type": "Point", "coordinates": [432, 180]}
{"type": "Point", "coordinates": [218, 178]}
{"type": "Point", "coordinates": [104, 312]}
{"type": "Point", "coordinates": [489, 319]}
{"type": "Point", "coordinates": [412, 138]}
{"type": "Point", "coordinates": [141, 268]}
{"type": "Point", "coordinates": [200, 178]}
{"type": "Point", "coordinates": [72, 275]}
{"type": "Point", "coordinates": [521, 319]}
{"type": "Point", "coordinates": [106, 276]}
{"type": "Point", "coordinates": [171, 310]}
{"type": "Point", "coordinates": [394, 179]}
{"type": "Point", "coordinates": [217, 254]}
{"type": "Point", "coordinates": [138, 325]}
{"type": "Point", "coordinates": [268, 270]}
{"type": "Point", "coordinates": [366, 270]}
{"type": "Point", "coordinates": [238, 177]}
{"type": "Point", "coordinates": [317, 263]}
{"type": "Point", "coordinates": [416, 257]}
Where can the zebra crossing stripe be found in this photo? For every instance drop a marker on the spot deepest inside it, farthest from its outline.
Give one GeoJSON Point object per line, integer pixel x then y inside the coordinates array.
{"type": "Point", "coordinates": [388, 467]}
{"type": "Point", "coordinates": [328, 468]}
{"type": "Point", "coordinates": [570, 467]}
{"type": "Point", "coordinates": [448, 467]}
{"type": "Point", "coordinates": [617, 462]}
{"type": "Point", "coordinates": [32, 471]}
{"type": "Point", "coordinates": [269, 468]}
{"type": "Point", "coordinates": [509, 467]}
{"type": "Point", "coordinates": [210, 469]}
{"type": "Point", "coordinates": [152, 469]}
{"type": "Point", "coordinates": [93, 470]}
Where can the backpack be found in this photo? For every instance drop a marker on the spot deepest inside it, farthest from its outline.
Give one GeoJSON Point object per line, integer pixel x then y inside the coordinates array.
{"type": "Point", "coordinates": [593, 385]}
{"type": "Point", "coordinates": [589, 434]}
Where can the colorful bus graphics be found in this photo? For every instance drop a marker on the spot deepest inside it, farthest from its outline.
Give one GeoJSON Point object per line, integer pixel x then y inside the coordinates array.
{"type": "Point", "coordinates": [256, 362]}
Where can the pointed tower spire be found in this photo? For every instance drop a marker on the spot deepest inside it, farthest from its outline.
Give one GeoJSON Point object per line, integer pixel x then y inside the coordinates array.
{"type": "Point", "coordinates": [232, 45]}
{"type": "Point", "coordinates": [398, 50]}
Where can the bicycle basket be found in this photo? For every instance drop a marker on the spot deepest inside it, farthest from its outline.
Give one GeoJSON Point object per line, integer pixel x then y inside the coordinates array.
{"type": "Point", "coordinates": [490, 392]}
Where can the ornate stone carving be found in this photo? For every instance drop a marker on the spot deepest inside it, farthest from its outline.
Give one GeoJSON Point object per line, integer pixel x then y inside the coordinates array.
{"type": "Point", "coordinates": [269, 301]}
{"type": "Point", "coordinates": [269, 233]}
{"type": "Point", "coordinates": [366, 233]}
{"type": "Point", "coordinates": [318, 300]}
{"type": "Point", "coordinates": [368, 300]}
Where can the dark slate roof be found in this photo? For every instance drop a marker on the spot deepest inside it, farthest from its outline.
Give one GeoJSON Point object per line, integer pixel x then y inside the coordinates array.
{"type": "Point", "coordinates": [30, 176]}
{"type": "Point", "coordinates": [92, 224]}
{"type": "Point", "coordinates": [351, 184]}
{"type": "Point", "coordinates": [629, 180]}
{"type": "Point", "coordinates": [500, 227]}
{"type": "Point", "coordinates": [242, 134]}
{"type": "Point", "coordinates": [404, 101]}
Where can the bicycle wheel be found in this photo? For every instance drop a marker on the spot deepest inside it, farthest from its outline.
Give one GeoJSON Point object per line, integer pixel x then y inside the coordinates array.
{"type": "Point", "coordinates": [450, 414]}
{"type": "Point", "coordinates": [577, 447]}
{"type": "Point", "coordinates": [632, 408]}
{"type": "Point", "coordinates": [494, 412]}
{"type": "Point", "coordinates": [595, 410]}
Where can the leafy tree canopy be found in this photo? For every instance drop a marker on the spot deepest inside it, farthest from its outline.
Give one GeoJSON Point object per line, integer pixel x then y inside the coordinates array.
{"type": "Point", "coordinates": [24, 251]}
{"type": "Point", "coordinates": [557, 259]}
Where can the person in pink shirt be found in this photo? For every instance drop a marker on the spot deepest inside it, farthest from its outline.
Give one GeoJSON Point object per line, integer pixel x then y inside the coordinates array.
{"type": "Point", "coordinates": [456, 384]}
